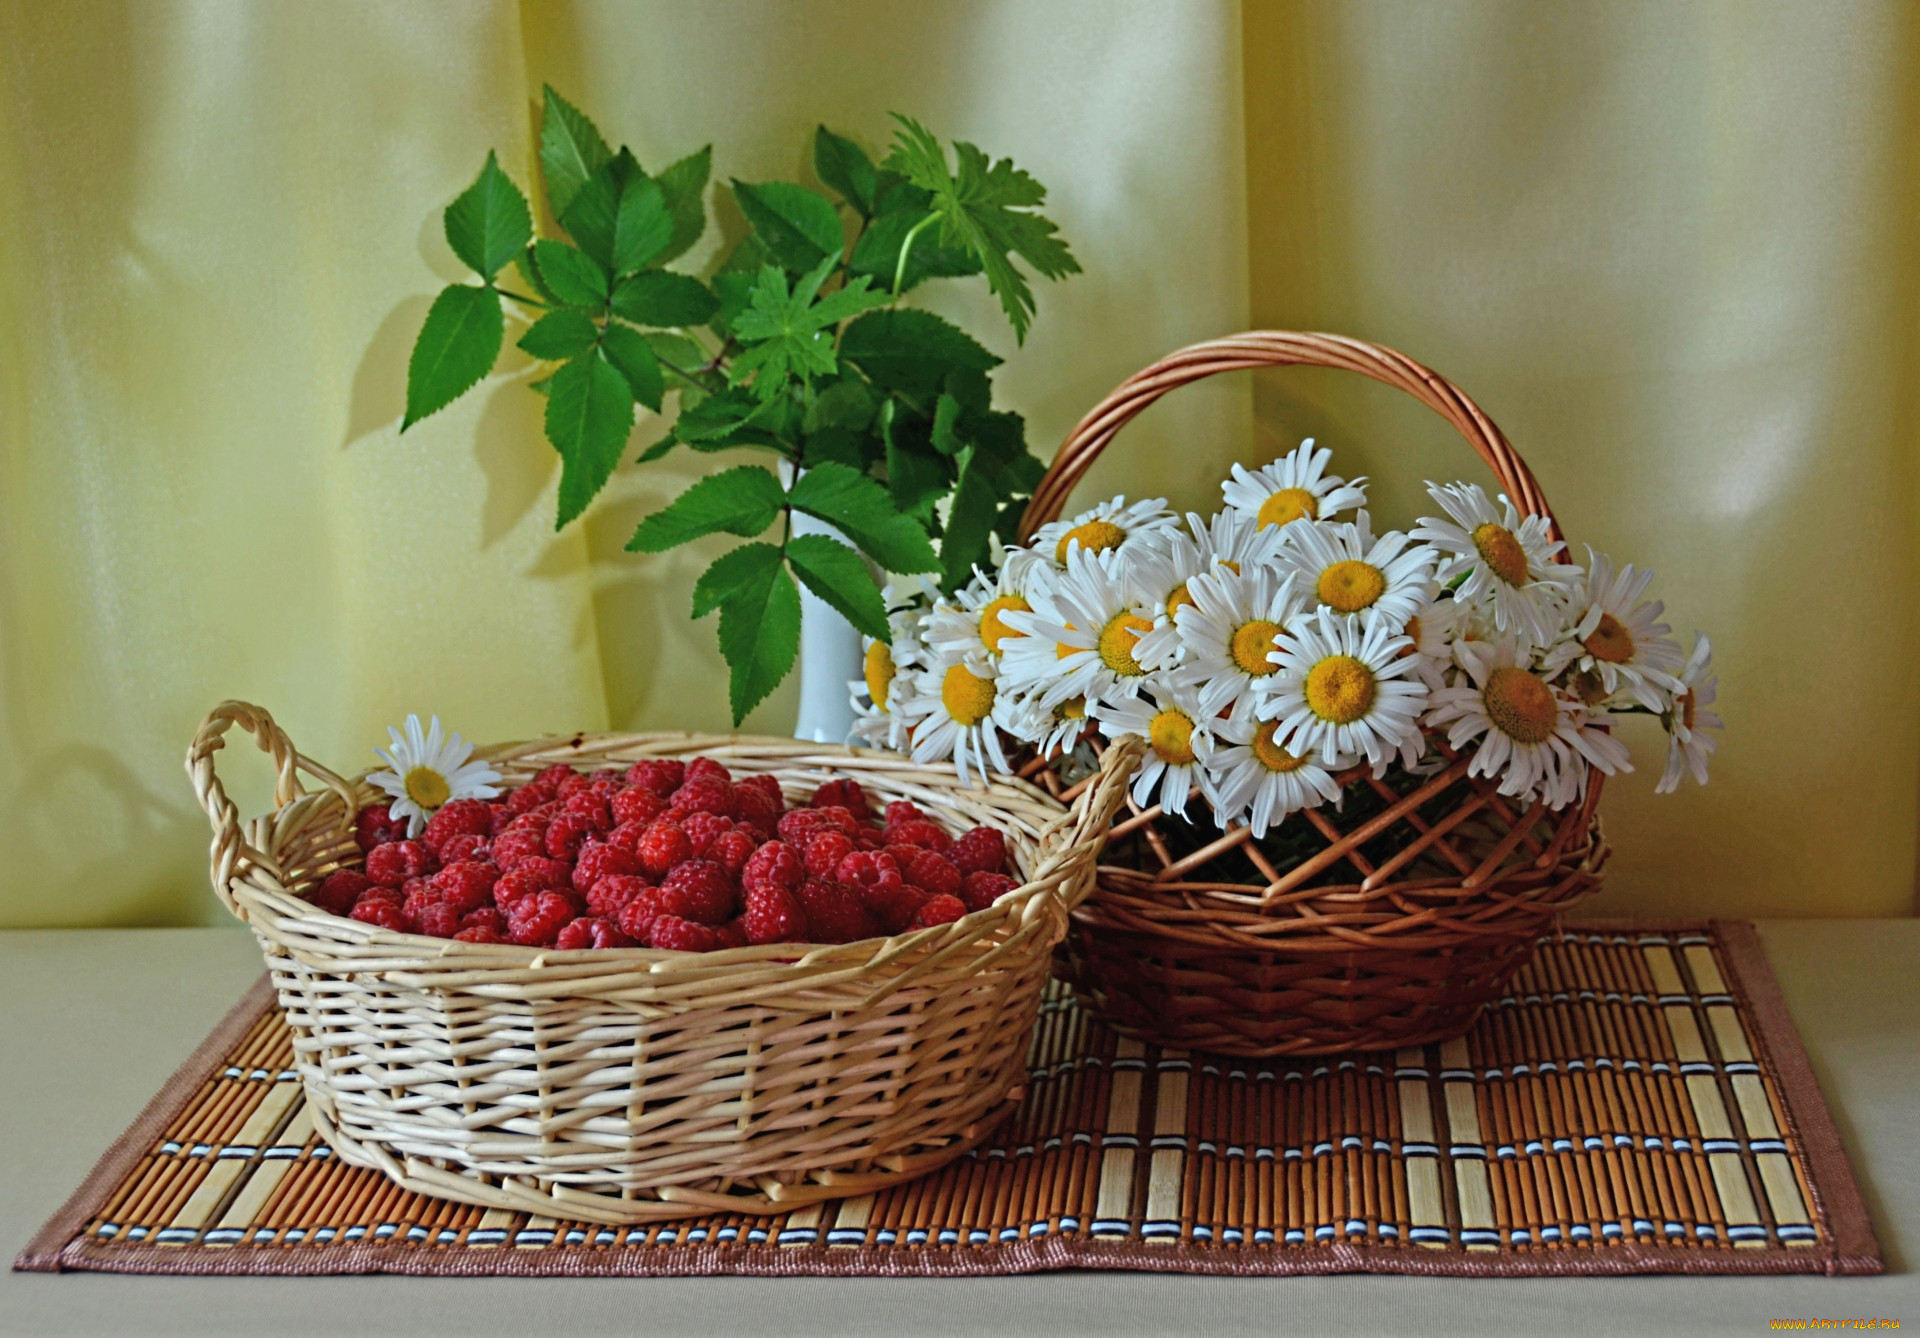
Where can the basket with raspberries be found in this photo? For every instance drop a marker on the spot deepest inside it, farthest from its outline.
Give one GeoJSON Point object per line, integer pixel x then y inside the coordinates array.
{"type": "Point", "coordinates": [657, 975]}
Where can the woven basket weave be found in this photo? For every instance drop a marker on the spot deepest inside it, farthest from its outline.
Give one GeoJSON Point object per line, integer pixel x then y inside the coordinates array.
{"type": "Point", "coordinates": [629, 1085]}
{"type": "Point", "coordinates": [1410, 912]}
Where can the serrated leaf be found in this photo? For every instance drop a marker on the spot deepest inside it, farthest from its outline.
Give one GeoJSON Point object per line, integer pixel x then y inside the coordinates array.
{"type": "Point", "coordinates": [657, 297]}
{"type": "Point", "coordinates": [573, 276]}
{"type": "Point", "coordinates": [799, 227]}
{"type": "Point", "coordinates": [837, 445]}
{"type": "Point", "coordinates": [844, 167]}
{"type": "Point", "coordinates": [946, 417]}
{"type": "Point", "coordinates": [560, 334]}
{"type": "Point", "coordinates": [730, 574]}
{"type": "Point", "coordinates": [589, 413]}
{"type": "Point", "coordinates": [619, 217]}
{"type": "Point", "coordinates": [629, 352]}
{"type": "Point", "coordinates": [489, 223]}
{"type": "Point", "coordinates": [530, 272]}
{"type": "Point", "coordinates": [684, 187]}
{"type": "Point", "coordinates": [844, 403]}
{"type": "Point", "coordinates": [977, 497]}
{"type": "Point", "coordinates": [789, 334]}
{"type": "Point", "coordinates": [877, 253]}
{"type": "Point", "coordinates": [917, 476]}
{"type": "Point", "coordinates": [678, 357]}
{"type": "Point", "coordinates": [719, 419]}
{"type": "Point", "coordinates": [911, 351]}
{"type": "Point", "coordinates": [759, 638]}
{"type": "Point", "coordinates": [860, 508]}
{"type": "Point", "coordinates": [838, 575]}
{"type": "Point", "coordinates": [742, 501]}
{"type": "Point", "coordinates": [571, 150]}
{"type": "Point", "coordinates": [456, 347]}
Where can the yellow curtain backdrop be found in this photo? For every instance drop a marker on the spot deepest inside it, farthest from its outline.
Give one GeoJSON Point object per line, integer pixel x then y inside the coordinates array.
{"type": "Point", "coordinates": [1665, 246]}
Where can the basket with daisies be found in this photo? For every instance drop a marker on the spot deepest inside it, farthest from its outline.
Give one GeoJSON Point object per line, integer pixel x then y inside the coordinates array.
{"type": "Point", "coordinates": [1373, 757]}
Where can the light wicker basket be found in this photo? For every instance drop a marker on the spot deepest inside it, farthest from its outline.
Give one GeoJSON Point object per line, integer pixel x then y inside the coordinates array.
{"type": "Point", "coordinates": [629, 1085]}
{"type": "Point", "coordinates": [1412, 910]}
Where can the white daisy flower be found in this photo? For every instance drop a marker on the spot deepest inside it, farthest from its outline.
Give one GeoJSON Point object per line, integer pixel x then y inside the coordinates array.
{"type": "Point", "coordinates": [1292, 487]}
{"type": "Point", "coordinates": [1509, 562]}
{"type": "Point", "coordinates": [1230, 539]}
{"type": "Point", "coordinates": [1434, 629]}
{"type": "Point", "coordinates": [1114, 526]}
{"type": "Point", "coordinates": [1179, 739]}
{"type": "Point", "coordinates": [954, 709]}
{"type": "Point", "coordinates": [1345, 568]}
{"type": "Point", "coordinates": [1689, 745]}
{"type": "Point", "coordinates": [1615, 638]}
{"type": "Point", "coordinates": [1342, 690]}
{"type": "Point", "coordinates": [1536, 740]}
{"type": "Point", "coordinates": [1230, 631]}
{"type": "Point", "coordinates": [1257, 781]}
{"type": "Point", "coordinates": [887, 671]}
{"type": "Point", "coordinates": [1051, 730]}
{"type": "Point", "coordinates": [429, 771]}
{"type": "Point", "coordinates": [1079, 638]}
{"type": "Point", "coordinates": [970, 622]}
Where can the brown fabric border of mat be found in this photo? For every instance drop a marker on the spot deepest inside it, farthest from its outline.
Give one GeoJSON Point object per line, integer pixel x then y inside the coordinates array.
{"type": "Point", "coordinates": [1852, 1247]}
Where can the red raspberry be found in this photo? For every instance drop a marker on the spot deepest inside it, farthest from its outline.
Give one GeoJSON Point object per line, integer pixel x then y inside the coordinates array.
{"type": "Point", "coordinates": [461, 817]}
{"type": "Point", "coordinates": [928, 834]}
{"type": "Point", "coordinates": [467, 886]}
{"type": "Point", "coordinates": [516, 887]}
{"type": "Point", "coordinates": [338, 893]}
{"type": "Point", "coordinates": [554, 873]}
{"type": "Point", "coordinates": [705, 768]}
{"type": "Point", "coordinates": [846, 794]}
{"type": "Point", "coordinates": [597, 860]}
{"type": "Point", "coordinates": [392, 864]}
{"type": "Point", "coordinates": [553, 777]}
{"type": "Point", "coordinates": [731, 850]}
{"type": "Point", "coordinates": [766, 785]}
{"type": "Point", "coordinates": [438, 920]}
{"type": "Point", "coordinates": [611, 894]}
{"type": "Point", "coordinates": [637, 804]}
{"type": "Point", "coordinates": [894, 905]}
{"type": "Point", "coordinates": [939, 911]}
{"type": "Point", "coordinates": [703, 829]}
{"type": "Point", "coordinates": [698, 890]}
{"type": "Point", "coordinates": [979, 850]}
{"type": "Point", "coordinates": [900, 810]}
{"type": "Point", "coordinates": [834, 913]}
{"type": "Point", "coordinates": [661, 847]}
{"type": "Point", "coordinates": [537, 821]}
{"type": "Point", "coordinates": [419, 894]}
{"type": "Point", "coordinates": [732, 934]}
{"type": "Point", "coordinates": [531, 796]}
{"type": "Point", "coordinates": [488, 917]}
{"type": "Point", "coordinates": [825, 850]}
{"type": "Point", "coordinates": [981, 890]}
{"type": "Point", "coordinates": [378, 892]}
{"type": "Point", "coordinates": [463, 847]}
{"type": "Point", "coordinates": [481, 934]}
{"type": "Point", "coordinates": [513, 848]}
{"type": "Point", "coordinates": [672, 934]}
{"type": "Point", "coordinates": [498, 816]}
{"type": "Point", "coordinates": [869, 868]}
{"type": "Point", "coordinates": [592, 807]}
{"type": "Point", "coordinates": [870, 838]}
{"type": "Point", "coordinates": [706, 796]}
{"type": "Point", "coordinates": [627, 836]}
{"type": "Point", "coordinates": [573, 784]}
{"type": "Point", "coordinates": [536, 921]}
{"type": "Point", "coordinates": [799, 822]}
{"type": "Point", "coordinates": [591, 932]}
{"type": "Point", "coordinates": [927, 869]}
{"type": "Point", "coordinates": [773, 865]}
{"type": "Point", "coordinates": [756, 811]}
{"type": "Point", "coordinates": [383, 912]}
{"type": "Point", "coordinates": [637, 916]}
{"type": "Point", "coordinates": [662, 775]}
{"type": "Point", "coordinates": [773, 916]}
{"type": "Point", "coordinates": [607, 784]}
{"type": "Point", "coordinates": [374, 826]}
{"type": "Point", "coordinates": [568, 833]}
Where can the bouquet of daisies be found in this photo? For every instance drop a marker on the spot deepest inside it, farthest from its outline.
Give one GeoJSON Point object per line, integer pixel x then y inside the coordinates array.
{"type": "Point", "coordinates": [1275, 652]}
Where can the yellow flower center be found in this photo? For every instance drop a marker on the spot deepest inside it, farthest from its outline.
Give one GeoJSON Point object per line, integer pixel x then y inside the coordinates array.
{"type": "Point", "coordinates": [1096, 536]}
{"type": "Point", "coordinates": [1252, 643]}
{"type": "Point", "coordinates": [427, 787]}
{"type": "Point", "coordinates": [1117, 640]}
{"type": "Point", "coordinates": [1171, 734]}
{"type": "Point", "coordinates": [1340, 689]}
{"type": "Point", "coordinates": [1413, 634]}
{"type": "Point", "coordinates": [1610, 641]}
{"type": "Point", "coordinates": [992, 630]}
{"type": "Point", "coordinates": [1073, 708]}
{"type": "Point", "coordinates": [1502, 552]}
{"type": "Point", "coordinates": [967, 696]}
{"type": "Point", "coordinates": [1179, 597]}
{"type": "Point", "coordinates": [1287, 506]}
{"type": "Point", "coordinates": [1589, 687]}
{"type": "Point", "coordinates": [1230, 565]}
{"type": "Point", "coordinates": [880, 671]}
{"type": "Point", "coordinates": [1520, 705]}
{"type": "Point", "coordinates": [1270, 754]}
{"type": "Point", "coordinates": [1348, 587]}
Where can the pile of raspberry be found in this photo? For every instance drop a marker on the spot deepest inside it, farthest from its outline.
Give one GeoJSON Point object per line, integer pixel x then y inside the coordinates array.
{"type": "Point", "coordinates": [673, 855]}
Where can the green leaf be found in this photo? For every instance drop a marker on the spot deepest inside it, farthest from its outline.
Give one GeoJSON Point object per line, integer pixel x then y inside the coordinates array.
{"type": "Point", "coordinates": [656, 297]}
{"type": "Point", "coordinates": [911, 351]}
{"type": "Point", "coordinates": [530, 271]}
{"type": "Point", "coordinates": [629, 352]}
{"type": "Point", "coordinates": [917, 476]}
{"type": "Point", "coordinates": [759, 638]}
{"type": "Point", "coordinates": [877, 253]}
{"type": "Point", "coordinates": [845, 167]}
{"type": "Point", "coordinates": [860, 508]}
{"type": "Point", "coordinates": [456, 347]}
{"type": "Point", "coordinates": [977, 498]}
{"type": "Point", "coordinates": [619, 217]}
{"type": "Point", "coordinates": [838, 445]}
{"type": "Point", "coordinates": [677, 354]}
{"type": "Point", "coordinates": [489, 223]}
{"type": "Point", "coordinates": [789, 334]}
{"type": "Point", "coordinates": [571, 150]}
{"type": "Point", "coordinates": [742, 501]}
{"type": "Point", "coordinates": [732, 573]}
{"type": "Point", "coordinates": [589, 413]}
{"type": "Point", "coordinates": [572, 275]}
{"type": "Point", "coordinates": [560, 334]}
{"type": "Point", "coordinates": [731, 418]}
{"type": "Point", "coordinates": [799, 227]}
{"type": "Point", "coordinates": [684, 186]}
{"type": "Point", "coordinates": [844, 403]}
{"type": "Point", "coordinates": [837, 574]}
{"type": "Point", "coordinates": [946, 415]}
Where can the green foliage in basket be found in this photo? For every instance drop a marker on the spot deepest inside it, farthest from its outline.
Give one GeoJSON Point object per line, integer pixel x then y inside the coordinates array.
{"type": "Point", "coordinates": [795, 343]}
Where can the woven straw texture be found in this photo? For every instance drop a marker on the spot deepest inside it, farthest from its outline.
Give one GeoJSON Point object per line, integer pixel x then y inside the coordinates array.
{"type": "Point", "coordinates": [621, 1086]}
{"type": "Point", "coordinates": [1391, 923]}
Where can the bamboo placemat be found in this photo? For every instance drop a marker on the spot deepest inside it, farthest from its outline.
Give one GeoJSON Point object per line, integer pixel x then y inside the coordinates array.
{"type": "Point", "coordinates": [1639, 1103]}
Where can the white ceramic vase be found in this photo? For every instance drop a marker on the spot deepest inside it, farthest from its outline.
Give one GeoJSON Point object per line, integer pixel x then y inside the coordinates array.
{"type": "Point", "coordinates": [830, 658]}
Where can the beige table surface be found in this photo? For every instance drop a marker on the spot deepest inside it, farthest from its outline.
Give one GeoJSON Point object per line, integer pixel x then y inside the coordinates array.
{"type": "Point", "coordinates": [92, 1022]}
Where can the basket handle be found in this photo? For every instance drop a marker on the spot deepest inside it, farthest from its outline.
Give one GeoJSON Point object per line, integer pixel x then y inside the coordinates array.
{"type": "Point", "coordinates": [1084, 826]}
{"type": "Point", "coordinates": [230, 846]}
{"type": "Point", "coordinates": [1279, 348]}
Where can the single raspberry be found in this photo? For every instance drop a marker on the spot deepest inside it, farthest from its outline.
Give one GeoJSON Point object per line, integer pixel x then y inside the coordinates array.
{"type": "Point", "coordinates": [928, 834]}
{"type": "Point", "coordinates": [731, 850]}
{"type": "Point", "coordinates": [845, 793]}
{"type": "Point", "coordinates": [607, 784]}
{"type": "Point", "coordinates": [732, 934]}
{"type": "Point", "coordinates": [537, 821]}
{"type": "Point", "coordinates": [754, 810]}
{"type": "Point", "coordinates": [397, 861]}
{"type": "Point", "coordinates": [705, 768]}
{"type": "Point", "coordinates": [380, 892]}
{"type": "Point", "coordinates": [514, 888]}
{"type": "Point", "coordinates": [591, 932]}
{"type": "Point", "coordinates": [661, 847]}
{"type": "Point", "coordinates": [467, 886]}
{"type": "Point", "coordinates": [553, 777]}
{"type": "Point", "coordinates": [670, 933]}
{"type": "Point", "coordinates": [374, 826]}
{"type": "Point", "coordinates": [538, 920]}
{"type": "Point", "coordinates": [481, 934]}
{"type": "Point", "coordinates": [421, 894]}
{"type": "Point", "coordinates": [675, 816]}
{"type": "Point", "coordinates": [338, 893]}
{"type": "Point", "coordinates": [637, 804]}
{"type": "Point", "coordinates": [795, 824]}
{"type": "Point", "coordinates": [568, 833]}
{"type": "Point", "coordinates": [979, 850]}
{"type": "Point", "coordinates": [511, 849]}
{"type": "Point", "coordinates": [554, 873]}
{"type": "Point", "coordinates": [461, 817]}
{"type": "Point", "coordinates": [531, 796]}
{"type": "Point", "coordinates": [627, 835]}
{"type": "Point", "coordinates": [894, 905]}
{"type": "Point", "coordinates": [488, 917]}
{"type": "Point", "coordinates": [662, 775]}
{"type": "Point", "coordinates": [702, 829]}
{"type": "Point", "coordinates": [383, 912]}
{"type": "Point", "coordinates": [613, 892]}
{"type": "Point", "coordinates": [637, 916]}
{"type": "Point", "coordinates": [597, 860]}
{"type": "Point", "coordinates": [869, 868]}
{"type": "Point", "coordinates": [592, 807]}
{"type": "Point", "coordinates": [774, 916]}
{"type": "Point", "coordinates": [438, 920]}
{"type": "Point", "coordinates": [835, 914]}
{"type": "Point", "coordinates": [498, 816]}
{"type": "Point", "coordinates": [870, 838]}
{"type": "Point", "coordinates": [574, 784]}
{"type": "Point", "coordinates": [939, 911]}
{"type": "Point", "coordinates": [465, 846]}
{"type": "Point", "coordinates": [901, 810]}
{"type": "Point", "coordinates": [981, 890]}
{"type": "Point", "coordinates": [698, 890]}
{"type": "Point", "coordinates": [774, 864]}
{"type": "Point", "coordinates": [707, 795]}
{"type": "Point", "coordinates": [927, 869]}
{"type": "Point", "coordinates": [766, 785]}
{"type": "Point", "coordinates": [824, 851]}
